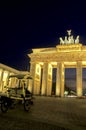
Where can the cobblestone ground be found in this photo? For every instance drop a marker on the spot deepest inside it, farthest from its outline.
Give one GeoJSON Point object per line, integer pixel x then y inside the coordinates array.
{"type": "Point", "coordinates": [47, 113]}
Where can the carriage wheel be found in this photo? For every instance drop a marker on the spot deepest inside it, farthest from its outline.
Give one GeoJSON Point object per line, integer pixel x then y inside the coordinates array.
{"type": "Point", "coordinates": [4, 107]}
{"type": "Point", "coordinates": [27, 105]}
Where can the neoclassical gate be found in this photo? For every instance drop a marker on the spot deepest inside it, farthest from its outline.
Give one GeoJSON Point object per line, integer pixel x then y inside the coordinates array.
{"type": "Point", "coordinates": [68, 54]}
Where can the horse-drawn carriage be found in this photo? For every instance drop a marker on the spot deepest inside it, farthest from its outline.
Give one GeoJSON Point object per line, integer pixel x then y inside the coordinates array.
{"type": "Point", "coordinates": [19, 93]}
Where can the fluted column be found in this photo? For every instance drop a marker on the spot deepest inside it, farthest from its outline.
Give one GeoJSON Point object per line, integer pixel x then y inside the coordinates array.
{"type": "Point", "coordinates": [79, 78]}
{"type": "Point", "coordinates": [60, 80]}
{"type": "Point", "coordinates": [44, 79]}
{"type": "Point", "coordinates": [1, 80]}
{"type": "Point", "coordinates": [49, 80]}
{"type": "Point", "coordinates": [1, 74]}
{"type": "Point", "coordinates": [32, 72]}
{"type": "Point", "coordinates": [37, 79]}
{"type": "Point", "coordinates": [10, 79]}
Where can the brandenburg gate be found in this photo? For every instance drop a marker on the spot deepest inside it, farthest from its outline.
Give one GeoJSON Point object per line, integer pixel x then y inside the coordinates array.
{"type": "Point", "coordinates": [68, 54]}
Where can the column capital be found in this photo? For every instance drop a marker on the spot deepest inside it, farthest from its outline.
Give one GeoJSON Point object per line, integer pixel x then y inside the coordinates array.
{"type": "Point", "coordinates": [79, 64]}
{"type": "Point", "coordinates": [60, 64]}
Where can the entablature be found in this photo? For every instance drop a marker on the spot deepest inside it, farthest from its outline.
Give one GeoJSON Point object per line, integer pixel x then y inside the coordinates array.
{"type": "Point", "coordinates": [60, 56]}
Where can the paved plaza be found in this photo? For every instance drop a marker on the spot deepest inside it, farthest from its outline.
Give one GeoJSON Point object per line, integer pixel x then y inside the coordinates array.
{"type": "Point", "coordinates": [47, 113]}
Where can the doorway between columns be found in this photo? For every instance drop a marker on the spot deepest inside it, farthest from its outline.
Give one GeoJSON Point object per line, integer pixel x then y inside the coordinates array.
{"type": "Point", "coordinates": [84, 81]}
{"type": "Point", "coordinates": [54, 71]}
{"type": "Point", "coordinates": [70, 81]}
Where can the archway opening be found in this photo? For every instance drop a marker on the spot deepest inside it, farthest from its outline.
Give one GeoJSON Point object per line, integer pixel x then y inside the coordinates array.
{"type": "Point", "coordinates": [84, 81]}
{"type": "Point", "coordinates": [54, 81]}
{"type": "Point", "coordinates": [70, 82]}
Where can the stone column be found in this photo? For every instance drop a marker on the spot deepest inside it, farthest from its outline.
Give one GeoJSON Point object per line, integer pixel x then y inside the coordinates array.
{"type": "Point", "coordinates": [49, 80]}
{"type": "Point", "coordinates": [79, 78]}
{"type": "Point", "coordinates": [1, 74]}
{"type": "Point", "coordinates": [1, 80]}
{"type": "Point", "coordinates": [60, 80]}
{"type": "Point", "coordinates": [6, 78]}
{"type": "Point", "coordinates": [44, 79]}
{"type": "Point", "coordinates": [32, 72]}
{"type": "Point", "coordinates": [10, 79]}
{"type": "Point", "coordinates": [37, 79]}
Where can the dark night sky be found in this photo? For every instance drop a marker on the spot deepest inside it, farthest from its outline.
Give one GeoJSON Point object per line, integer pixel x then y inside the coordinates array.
{"type": "Point", "coordinates": [24, 26]}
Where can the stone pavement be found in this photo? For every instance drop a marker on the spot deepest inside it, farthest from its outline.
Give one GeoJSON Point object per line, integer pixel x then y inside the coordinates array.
{"type": "Point", "coordinates": [47, 113]}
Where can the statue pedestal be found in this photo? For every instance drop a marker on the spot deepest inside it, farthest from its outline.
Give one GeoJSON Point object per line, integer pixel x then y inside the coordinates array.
{"type": "Point", "coordinates": [70, 47]}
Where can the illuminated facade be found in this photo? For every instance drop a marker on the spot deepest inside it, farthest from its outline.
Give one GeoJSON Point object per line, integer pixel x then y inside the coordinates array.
{"type": "Point", "coordinates": [68, 54]}
{"type": "Point", "coordinates": [5, 71]}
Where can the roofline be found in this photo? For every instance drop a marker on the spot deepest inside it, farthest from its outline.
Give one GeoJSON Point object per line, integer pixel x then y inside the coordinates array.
{"type": "Point", "coordinates": [5, 67]}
